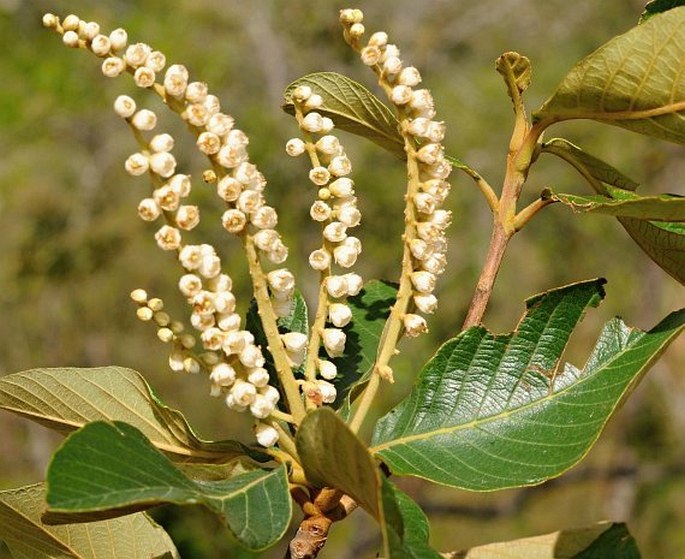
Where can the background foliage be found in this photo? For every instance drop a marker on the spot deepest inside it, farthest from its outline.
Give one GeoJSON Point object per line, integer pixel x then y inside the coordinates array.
{"type": "Point", "coordinates": [72, 247]}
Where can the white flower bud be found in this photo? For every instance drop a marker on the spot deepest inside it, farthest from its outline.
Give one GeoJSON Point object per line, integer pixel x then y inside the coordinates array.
{"type": "Point", "coordinates": [220, 124]}
{"type": "Point", "coordinates": [301, 93]}
{"type": "Point", "coordinates": [426, 302]}
{"type": "Point", "coordinates": [335, 232]}
{"type": "Point", "coordinates": [282, 282]}
{"type": "Point", "coordinates": [233, 220]}
{"type": "Point", "coordinates": [339, 314]}
{"type": "Point", "coordinates": [249, 201]}
{"type": "Point", "coordinates": [70, 39]}
{"type": "Point", "coordinates": [278, 254]}
{"type": "Point", "coordinates": [436, 131]}
{"type": "Point", "coordinates": [196, 114]}
{"type": "Point", "coordinates": [357, 30]}
{"type": "Point", "coordinates": [342, 187]}
{"type": "Point", "coordinates": [139, 296]}
{"type": "Point", "coordinates": [264, 217]}
{"type": "Point", "coordinates": [136, 54]}
{"type": "Point", "coordinates": [320, 259]}
{"type": "Point", "coordinates": [409, 76]}
{"type": "Point", "coordinates": [163, 164]}
{"type": "Point", "coordinates": [294, 147]}
{"type": "Point", "coordinates": [145, 314]}
{"type": "Point", "coordinates": [313, 102]}
{"type": "Point", "coordinates": [435, 264]}
{"type": "Point", "coordinates": [144, 77]}
{"type": "Point", "coordinates": [124, 106]}
{"type": "Point", "coordinates": [428, 231]}
{"type": "Point", "coordinates": [233, 405]}
{"type": "Point", "coordinates": [203, 303]}
{"type": "Point", "coordinates": [228, 322]}
{"type": "Point", "coordinates": [266, 435]}
{"type": "Point", "coordinates": [162, 142]}
{"type": "Point", "coordinates": [392, 65]}
{"type": "Point", "coordinates": [349, 216]}
{"type": "Point", "coordinates": [414, 325]}
{"type": "Point", "coordinates": [442, 218]}
{"type": "Point", "coordinates": [202, 321]}
{"type": "Point", "coordinates": [370, 55]}
{"type": "Point", "coordinates": [220, 283]}
{"type": "Point", "coordinates": [351, 16]}
{"type": "Point", "coordinates": [420, 249]}
{"type": "Point", "coordinates": [212, 104]}
{"type": "Point", "coordinates": [190, 285]}
{"type": "Point", "coordinates": [340, 166]}
{"type": "Point", "coordinates": [118, 39]}
{"type": "Point", "coordinates": [208, 143]}
{"type": "Point", "coordinates": [144, 119]}
{"type": "Point", "coordinates": [401, 94]}
{"type": "Point", "coordinates": [327, 124]}
{"type": "Point", "coordinates": [224, 302]}
{"type": "Point", "coordinates": [212, 338]}
{"type": "Point", "coordinates": [424, 203]}
{"type": "Point", "coordinates": [312, 122]}
{"type": "Point", "coordinates": [345, 256]}
{"type": "Point", "coordinates": [328, 391]}
{"type": "Point", "coordinates": [71, 23]}
{"type": "Point", "coordinates": [168, 238]}
{"type": "Point", "coordinates": [354, 284]}
{"type": "Point", "coordinates": [422, 103]}
{"type": "Point", "coordinates": [176, 361]}
{"type": "Point", "coordinates": [243, 392]}
{"type": "Point", "coordinates": [251, 356]}
{"type": "Point", "coordinates": [430, 154]}
{"type": "Point", "coordinates": [210, 266]}
{"type": "Point", "coordinates": [155, 61]}
{"type": "Point", "coordinates": [100, 45]}
{"type": "Point", "coordinates": [282, 307]}
{"type": "Point", "coordinates": [148, 210]}
{"type": "Point", "coordinates": [266, 239]}
{"type": "Point", "coordinates": [50, 21]}
{"type": "Point", "coordinates": [187, 217]}
{"type": "Point", "coordinates": [229, 189]}
{"type": "Point", "coordinates": [176, 80]}
{"type": "Point", "coordinates": [327, 369]}
{"type": "Point", "coordinates": [270, 393]}
{"type": "Point", "coordinates": [166, 198]}
{"type": "Point", "coordinates": [190, 257]}
{"type": "Point", "coordinates": [136, 164]}
{"type": "Point", "coordinates": [90, 30]}
{"type": "Point", "coordinates": [261, 407]}
{"type": "Point", "coordinates": [180, 184]}
{"type": "Point", "coordinates": [222, 375]}
{"type": "Point", "coordinates": [334, 341]}
{"type": "Point", "coordinates": [424, 282]}
{"type": "Point", "coordinates": [320, 211]}
{"type": "Point", "coordinates": [337, 286]}
{"type": "Point", "coordinates": [319, 176]}
{"type": "Point", "coordinates": [379, 39]}
{"type": "Point", "coordinates": [112, 66]}
{"type": "Point", "coordinates": [196, 92]}
{"type": "Point", "coordinates": [258, 376]}
{"type": "Point", "coordinates": [329, 145]}
{"type": "Point", "coordinates": [294, 341]}
{"type": "Point", "coordinates": [191, 365]}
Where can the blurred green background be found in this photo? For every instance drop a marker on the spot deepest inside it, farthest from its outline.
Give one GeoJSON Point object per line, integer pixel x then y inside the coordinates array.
{"type": "Point", "coordinates": [72, 248]}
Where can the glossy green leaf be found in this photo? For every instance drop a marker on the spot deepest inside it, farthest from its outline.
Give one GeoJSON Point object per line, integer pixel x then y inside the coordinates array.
{"type": "Point", "coordinates": [65, 399]}
{"type": "Point", "coordinates": [333, 456]}
{"type": "Point", "coordinates": [602, 541]}
{"type": "Point", "coordinates": [495, 411]}
{"type": "Point", "coordinates": [107, 469]}
{"type": "Point", "coordinates": [624, 203]}
{"type": "Point", "coordinates": [296, 321]}
{"type": "Point", "coordinates": [657, 6]}
{"type": "Point", "coordinates": [404, 526]}
{"type": "Point", "coordinates": [634, 81]}
{"type": "Point", "coordinates": [663, 242]}
{"type": "Point", "coordinates": [370, 310]}
{"type": "Point", "coordinates": [353, 108]}
{"type": "Point", "coordinates": [26, 536]}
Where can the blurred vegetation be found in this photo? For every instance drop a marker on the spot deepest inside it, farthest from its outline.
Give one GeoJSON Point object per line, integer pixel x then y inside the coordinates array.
{"type": "Point", "coordinates": [72, 247]}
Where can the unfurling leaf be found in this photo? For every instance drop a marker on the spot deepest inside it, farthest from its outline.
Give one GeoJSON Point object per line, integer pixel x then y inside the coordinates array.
{"type": "Point", "coordinates": [108, 469]}
{"type": "Point", "coordinates": [634, 81]}
{"type": "Point", "coordinates": [516, 70]}
{"type": "Point", "coordinates": [353, 108]}
{"type": "Point", "coordinates": [495, 411]}
{"type": "Point", "coordinates": [65, 399]}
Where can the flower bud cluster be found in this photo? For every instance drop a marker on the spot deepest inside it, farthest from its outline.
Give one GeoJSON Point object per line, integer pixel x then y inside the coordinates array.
{"type": "Point", "coordinates": [336, 210]}
{"type": "Point", "coordinates": [425, 235]}
{"type": "Point", "coordinates": [235, 363]}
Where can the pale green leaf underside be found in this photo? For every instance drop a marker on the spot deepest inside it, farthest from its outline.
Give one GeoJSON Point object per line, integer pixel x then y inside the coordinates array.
{"type": "Point", "coordinates": [623, 203]}
{"type": "Point", "coordinates": [353, 108]}
{"type": "Point", "coordinates": [333, 456]}
{"type": "Point", "coordinates": [490, 412]}
{"type": "Point", "coordinates": [109, 468]}
{"type": "Point", "coordinates": [604, 540]}
{"type": "Point", "coordinates": [65, 399]}
{"type": "Point", "coordinates": [135, 535]}
{"type": "Point", "coordinates": [634, 81]}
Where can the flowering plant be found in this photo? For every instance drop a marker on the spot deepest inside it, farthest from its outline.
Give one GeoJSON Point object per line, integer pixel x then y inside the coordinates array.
{"type": "Point", "coordinates": [487, 412]}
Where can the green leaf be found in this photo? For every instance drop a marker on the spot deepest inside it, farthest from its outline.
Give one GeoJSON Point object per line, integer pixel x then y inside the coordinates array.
{"type": "Point", "coordinates": [657, 6]}
{"type": "Point", "coordinates": [663, 242]}
{"type": "Point", "coordinates": [296, 321]}
{"type": "Point", "coordinates": [353, 108]}
{"type": "Point", "coordinates": [601, 541]}
{"type": "Point", "coordinates": [333, 456]}
{"type": "Point", "coordinates": [593, 169]}
{"type": "Point", "coordinates": [108, 469]}
{"type": "Point", "coordinates": [494, 411]}
{"type": "Point", "coordinates": [27, 537]}
{"type": "Point", "coordinates": [624, 203]}
{"type": "Point", "coordinates": [634, 81]}
{"type": "Point", "coordinates": [370, 310]}
{"type": "Point", "coordinates": [404, 526]}
{"type": "Point", "coordinates": [64, 399]}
